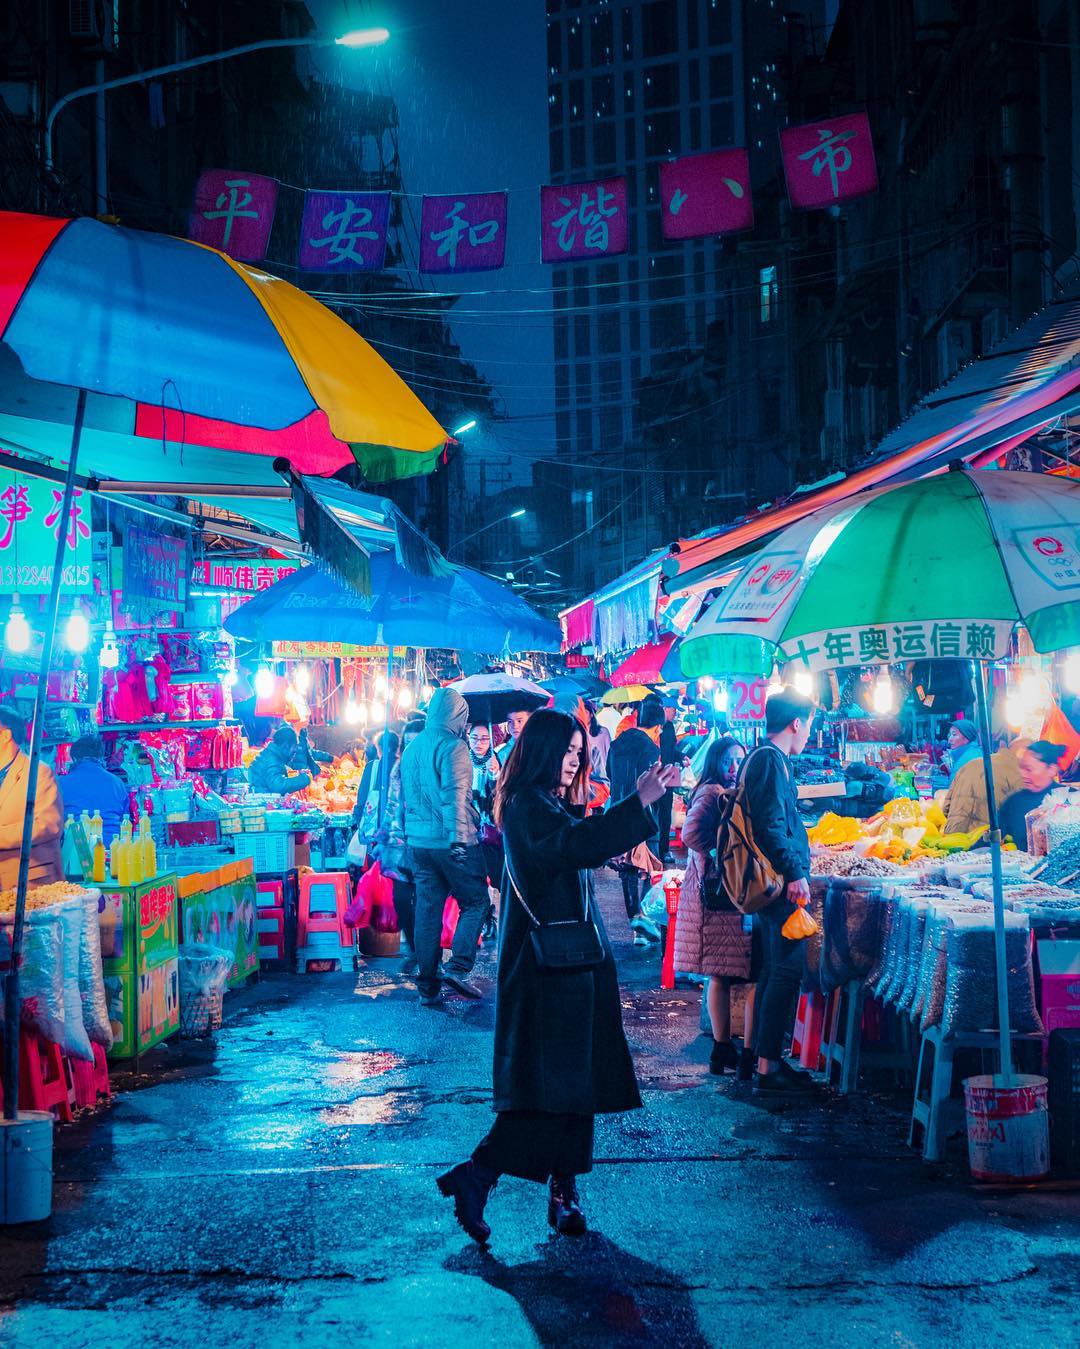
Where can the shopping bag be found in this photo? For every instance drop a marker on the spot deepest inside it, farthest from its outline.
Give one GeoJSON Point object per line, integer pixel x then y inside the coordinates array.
{"type": "Point", "coordinates": [449, 922]}
{"type": "Point", "coordinates": [359, 912]}
{"type": "Point", "coordinates": [356, 852]}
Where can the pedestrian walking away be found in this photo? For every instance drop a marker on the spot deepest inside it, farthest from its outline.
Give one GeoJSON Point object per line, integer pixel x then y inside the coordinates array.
{"type": "Point", "coordinates": [560, 1054]}
{"type": "Point", "coordinates": [395, 857]}
{"type": "Point", "coordinates": [442, 829]}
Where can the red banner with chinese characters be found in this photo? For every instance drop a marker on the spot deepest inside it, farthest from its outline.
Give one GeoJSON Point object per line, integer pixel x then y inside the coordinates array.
{"type": "Point", "coordinates": [706, 194]}
{"type": "Point", "coordinates": [234, 212]}
{"type": "Point", "coordinates": [829, 162]}
{"type": "Point", "coordinates": [584, 220]}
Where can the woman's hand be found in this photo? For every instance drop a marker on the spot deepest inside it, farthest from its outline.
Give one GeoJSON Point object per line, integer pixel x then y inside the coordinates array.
{"type": "Point", "coordinates": [656, 782]}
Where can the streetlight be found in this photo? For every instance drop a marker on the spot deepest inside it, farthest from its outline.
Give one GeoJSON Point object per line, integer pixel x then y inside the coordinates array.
{"type": "Point", "coordinates": [514, 515]}
{"type": "Point", "coordinates": [361, 37]}
{"type": "Point", "coordinates": [465, 426]}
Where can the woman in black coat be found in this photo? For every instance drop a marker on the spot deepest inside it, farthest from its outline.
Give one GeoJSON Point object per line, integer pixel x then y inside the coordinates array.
{"type": "Point", "coordinates": [561, 1054]}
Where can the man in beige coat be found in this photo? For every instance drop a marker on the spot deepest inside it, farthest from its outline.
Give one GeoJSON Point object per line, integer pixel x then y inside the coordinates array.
{"type": "Point", "coordinates": [45, 859]}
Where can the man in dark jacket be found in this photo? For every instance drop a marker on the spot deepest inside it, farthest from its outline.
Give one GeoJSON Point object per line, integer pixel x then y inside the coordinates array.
{"type": "Point", "coordinates": [88, 785]}
{"type": "Point", "coordinates": [632, 753]}
{"type": "Point", "coordinates": [669, 754]}
{"type": "Point", "coordinates": [771, 802]}
{"type": "Point", "coordinates": [270, 771]}
{"type": "Point", "coordinates": [442, 830]}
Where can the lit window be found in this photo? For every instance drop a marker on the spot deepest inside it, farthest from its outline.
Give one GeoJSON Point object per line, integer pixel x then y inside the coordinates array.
{"type": "Point", "coordinates": [769, 294]}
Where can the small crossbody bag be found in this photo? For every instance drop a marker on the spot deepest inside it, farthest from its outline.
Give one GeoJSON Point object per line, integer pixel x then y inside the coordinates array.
{"type": "Point", "coordinates": [565, 945]}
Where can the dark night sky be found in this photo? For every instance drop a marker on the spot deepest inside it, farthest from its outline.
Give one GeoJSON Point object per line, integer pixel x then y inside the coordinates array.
{"type": "Point", "coordinates": [469, 80]}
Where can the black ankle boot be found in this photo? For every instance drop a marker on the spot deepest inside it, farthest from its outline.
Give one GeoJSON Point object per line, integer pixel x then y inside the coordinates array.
{"type": "Point", "coordinates": [724, 1055]}
{"type": "Point", "coordinates": [469, 1185]}
{"type": "Point", "coordinates": [564, 1211]}
{"type": "Point", "coordinates": [747, 1065]}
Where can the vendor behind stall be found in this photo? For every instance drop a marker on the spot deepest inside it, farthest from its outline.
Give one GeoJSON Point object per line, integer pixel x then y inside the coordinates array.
{"type": "Point", "coordinates": [270, 771]}
{"type": "Point", "coordinates": [91, 787]}
{"type": "Point", "coordinates": [45, 863]}
{"type": "Point", "coordinates": [965, 802]}
{"type": "Point", "coordinates": [1039, 767]}
{"type": "Point", "coordinates": [307, 758]}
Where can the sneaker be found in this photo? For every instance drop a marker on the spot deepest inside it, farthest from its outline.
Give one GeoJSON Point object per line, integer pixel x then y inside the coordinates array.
{"type": "Point", "coordinates": [646, 927]}
{"type": "Point", "coordinates": [469, 1186]}
{"type": "Point", "coordinates": [781, 1087]}
{"type": "Point", "coordinates": [461, 985]}
{"type": "Point", "coordinates": [794, 1074]}
{"type": "Point", "coordinates": [409, 968]}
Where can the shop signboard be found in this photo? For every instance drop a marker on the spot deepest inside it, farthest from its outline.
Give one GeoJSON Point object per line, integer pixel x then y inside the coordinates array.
{"type": "Point", "coordinates": [334, 650]}
{"type": "Point", "coordinates": [240, 579]}
{"type": "Point", "coordinates": [30, 524]}
{"type": "Point", "coordinates": [155, 571]}
{"type": "Point", "coordinates": [139, 952]}
{"type": "Point", "coordinates": [747, 699]}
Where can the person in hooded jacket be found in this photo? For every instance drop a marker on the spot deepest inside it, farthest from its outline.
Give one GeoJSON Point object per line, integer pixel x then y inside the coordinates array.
{"type": "Point", "coordinates": [561, 1055]}
{"type": "Point", "coordinates": [442, 829]}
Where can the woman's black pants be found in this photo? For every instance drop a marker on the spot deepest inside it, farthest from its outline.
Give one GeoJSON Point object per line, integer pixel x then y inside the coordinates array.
{"type": "Point", "coordinates": [537, 1144]}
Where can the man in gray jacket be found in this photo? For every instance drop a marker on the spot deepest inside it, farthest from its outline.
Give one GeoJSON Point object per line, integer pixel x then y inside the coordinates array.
{"type": "Point", "coordinates": [442, 829]}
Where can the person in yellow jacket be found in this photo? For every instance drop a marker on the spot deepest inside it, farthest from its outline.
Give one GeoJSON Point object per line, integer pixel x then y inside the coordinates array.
{"type": "Point", "coordinates": [45, 860]}
{"type": "Point", "coordinates": [965, 801]}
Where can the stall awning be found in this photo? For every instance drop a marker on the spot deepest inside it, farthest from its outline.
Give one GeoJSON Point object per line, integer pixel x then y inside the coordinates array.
{"type": "Point", "coordinates": [621, 615]}
{"type": "Point", "coordinates": [645, 666]}
{"type": "Point", "coordinates": [1024, 383]}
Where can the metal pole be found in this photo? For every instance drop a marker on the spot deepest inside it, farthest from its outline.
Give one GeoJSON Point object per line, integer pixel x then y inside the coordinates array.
{"type": "Point", "coordinates": [385, 765]}
{"type": "Point", "coordinates": [995, 867]}
{"type": "Point", "coordinates": [11, 987]}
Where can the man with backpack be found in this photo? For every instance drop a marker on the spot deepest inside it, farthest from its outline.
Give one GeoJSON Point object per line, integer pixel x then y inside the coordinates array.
{"type": "Point", "coordinates": [764, 856]}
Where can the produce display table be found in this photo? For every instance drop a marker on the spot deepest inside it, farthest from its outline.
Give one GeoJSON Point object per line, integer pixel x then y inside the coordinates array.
{"type": "Point", "coordinates": [138, 925]}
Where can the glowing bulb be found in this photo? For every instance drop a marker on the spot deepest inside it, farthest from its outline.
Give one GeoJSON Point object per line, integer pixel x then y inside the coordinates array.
{"type": "Point", "coordinates": [228, 679]}
{"type": "Point", "coordinates": [77, 631]}
{"type": "Point", "coordinates": [381, 685]}
{"type": "Point", "coordinates": [354, 712]}
{"type": "Point", "coordinates": [720, 699]}
{"type": "Point", "coordinates": [378, 712]}
{"type": "Point", "coordinates": [1034, 692]}
{"type": "Point", "coordinates": [883, 697]}
{"type": "Point", "coordinates": [804, 683]}
{"type": "Point", "coordinates": [1014, 711]}
{"type": "Point", "coordinates": [425, 693]}
{"type": "Point", "coordinates": [705, 683]}
{"type": "Point", "coordinates": [775, 683]}
{"type": "Point", "coordinates": [17, 632]}
{"type": "Point", "coordinates": [264, 682]}
{"type": "Point", "coordinates": [302, 679]}
{"type": "Point", "coordinates": [1070, 673]}
{"type": "Point", "coordinates": [404, 697]}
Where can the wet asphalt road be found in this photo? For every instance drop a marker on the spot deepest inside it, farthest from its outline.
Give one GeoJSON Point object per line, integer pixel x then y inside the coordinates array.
{"type": "Point", "coordinates": [277, 1188]}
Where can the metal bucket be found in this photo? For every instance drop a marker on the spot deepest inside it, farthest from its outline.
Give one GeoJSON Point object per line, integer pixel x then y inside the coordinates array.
{"type": "Point", "coordinates": [1008, 1127]}
{"type": "Point", "coordinates": [26, 1146]}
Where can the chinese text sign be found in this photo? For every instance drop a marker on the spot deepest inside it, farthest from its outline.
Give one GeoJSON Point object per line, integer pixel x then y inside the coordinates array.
{"type": "Point", "coordinates": [30, 525]}
{"type": "Point", "coordinates": [234, 212]}
{"type": "Point", "coordinates": [584, 220]}
{"type": "Point", "coordinates": [828, 162]}
{"type": "Point", "coordinates": [465, 233]}
{"type": "Point", "coordinates": [706, 194]}
{"type": "Point", "coordinates": [344, 231]}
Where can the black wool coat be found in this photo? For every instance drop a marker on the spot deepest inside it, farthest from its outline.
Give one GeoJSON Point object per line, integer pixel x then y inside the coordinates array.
{"type": "Point", "coordinates": [559, 1039]}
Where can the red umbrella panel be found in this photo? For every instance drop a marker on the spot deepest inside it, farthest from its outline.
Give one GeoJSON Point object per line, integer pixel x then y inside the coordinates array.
{"type": "Point", "coordinates": [646, 665]}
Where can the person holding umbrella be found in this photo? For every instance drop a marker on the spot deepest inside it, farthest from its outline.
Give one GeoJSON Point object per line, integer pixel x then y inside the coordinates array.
{"type": "Point", "coordinates": [561, 1055]}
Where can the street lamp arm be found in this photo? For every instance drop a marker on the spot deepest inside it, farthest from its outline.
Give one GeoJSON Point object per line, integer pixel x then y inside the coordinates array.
{"type": "Point", "coordinates": [483, 528]}
{"type": "Point", "coordinates": [140, 77]}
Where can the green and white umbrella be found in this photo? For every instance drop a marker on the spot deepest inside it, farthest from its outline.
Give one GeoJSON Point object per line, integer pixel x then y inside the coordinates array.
{"type": "Point", "coordinates": [942, 568]}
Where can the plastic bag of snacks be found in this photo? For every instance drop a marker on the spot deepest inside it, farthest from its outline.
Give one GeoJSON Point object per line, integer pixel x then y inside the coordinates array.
{"type": "Point", "coordinates": [970, 987]}
{"type": "Point", "coordinates": [204, 971]}
{"type": "Point", "coordinates": [930, 981]}
{"type": "Point", "coordinates": [75, 1039]}
{"type": "Point", "coordinates": [41, 976]}
{"type": "Point", "coordinates": [909, 979]}
{"type": "Point", "coordinates": [91, 978]}
{"type": "Point", "coordinates": [854, 923]}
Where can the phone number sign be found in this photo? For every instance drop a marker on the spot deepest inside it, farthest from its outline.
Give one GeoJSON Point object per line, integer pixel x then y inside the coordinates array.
{"type": "Point", "coordinates": [31, 523]}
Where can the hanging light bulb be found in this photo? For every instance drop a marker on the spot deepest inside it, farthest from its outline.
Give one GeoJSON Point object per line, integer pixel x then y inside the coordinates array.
{"type": "Point", "coordinates": [404, 697]}
{"type": "Point", "coordinates": [775, 683]}
{"type": "Point", "coordinates": [705, 683]}
{"type": "Point", "coordinates": [109, 655]}
{"type": "Point", "coordinates": [1034, 692]}
{"type": "Point", "coordinates": [228, 679]}
{"type": "Point", "coordinates": [77, 631]}
{"type": "Point", "coordinates": [17, 633]}
{"type": "Point", "coordinates": [301, 678]}
{"type": "Point", "coordinates": [381, 685]}
{"type": "Point", "coordinates": [804, 683]}
{"type": "Point", "coordinates": [883, 698]}
{"type": "Point", "coordinates": [378, 713]}
{"type": "Point", "coordinates": [720, 699]}
{"type": "Point", "coordinates": [264, 681]}
{"type": "Point", "coordinates": [354, 712]}
{"type": "Point", "coordinates": [1015, 714]}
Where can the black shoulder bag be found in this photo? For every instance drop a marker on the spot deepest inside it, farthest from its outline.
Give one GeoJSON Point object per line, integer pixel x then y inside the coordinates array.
{"type": "Point", "coordinates": [566, 945]}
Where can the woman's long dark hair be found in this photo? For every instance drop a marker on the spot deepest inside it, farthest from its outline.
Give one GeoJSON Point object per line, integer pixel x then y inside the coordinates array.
{"type": "Point", "coordinates": [536, 759]}
{"type": "Point", "coordinates": [710, 770]}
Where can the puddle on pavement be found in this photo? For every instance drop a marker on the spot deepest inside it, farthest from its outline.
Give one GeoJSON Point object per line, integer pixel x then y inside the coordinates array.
{"type": "Point", "coordinates": [346, 1069]}
{"type": "Point", "coordinates": [388, 1109]}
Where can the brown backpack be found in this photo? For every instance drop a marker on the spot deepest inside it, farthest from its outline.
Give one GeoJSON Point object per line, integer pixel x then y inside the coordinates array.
{"type": "Point", "coordinates": [748, 877]}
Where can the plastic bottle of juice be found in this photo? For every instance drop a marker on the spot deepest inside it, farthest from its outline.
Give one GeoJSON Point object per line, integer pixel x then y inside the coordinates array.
{"type": "Point", "coordinates": [99, 861]}
{"type": "Point", "coordinates": [96, 823]}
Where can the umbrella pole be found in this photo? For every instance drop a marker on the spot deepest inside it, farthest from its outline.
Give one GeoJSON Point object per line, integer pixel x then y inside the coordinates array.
{"type": "Point", "coordinates": [11, 986]}
{"type": "Point", "coordinates": [995, 868]}
{"type": "Point", "coordinates": [384, 762]}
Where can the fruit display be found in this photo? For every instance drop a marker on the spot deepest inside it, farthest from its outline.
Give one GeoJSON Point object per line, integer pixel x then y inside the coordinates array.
{"type": "Point", "coordinates": [334, 790]}
{"type": "Point", "coordinates": [904, 831]}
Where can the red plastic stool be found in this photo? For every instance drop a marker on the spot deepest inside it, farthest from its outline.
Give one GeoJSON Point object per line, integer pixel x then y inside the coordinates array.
{"type": "Point", "coordinates": [91, 1079]}
{"type": "Point", "coordinates": [270, 924]}
{"type": "Point", "coordinates": [270, 894]}
{"type": "Point", "coordinates": [45, 1081]}
{"type": "Point", "coordinates": [324, 899]}
{"type": "Point", "coordinates": [809, 1028]}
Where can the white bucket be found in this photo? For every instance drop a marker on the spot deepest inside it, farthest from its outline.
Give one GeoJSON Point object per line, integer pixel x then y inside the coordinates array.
{"type": "Point", "coordinates": [1008, 1127]}
{"type": "Point", "coordinates": [26, 1146]}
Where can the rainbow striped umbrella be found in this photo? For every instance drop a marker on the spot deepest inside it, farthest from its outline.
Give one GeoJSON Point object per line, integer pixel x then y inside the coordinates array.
{"type": "Point", "coordinates": [209, 351]}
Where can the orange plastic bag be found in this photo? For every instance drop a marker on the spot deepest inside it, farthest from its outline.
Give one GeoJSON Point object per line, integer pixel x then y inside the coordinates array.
{"type": "Point", "coordinates": [799, 926]}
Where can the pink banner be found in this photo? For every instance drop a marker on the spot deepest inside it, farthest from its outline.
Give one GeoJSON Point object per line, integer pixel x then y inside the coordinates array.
{"type": "Point", "coordinates": [463, 233]}
{"type": "Point", "coordinates": [234, 212]}
{"type": "Point", "coordinates": [583, 220]}
{"type": "Point", "coordinates": [827, 162]}
{"type": "Point", "coordinates": [344, 231]}
{"type": "Point", "coordinates": [706, 194]}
